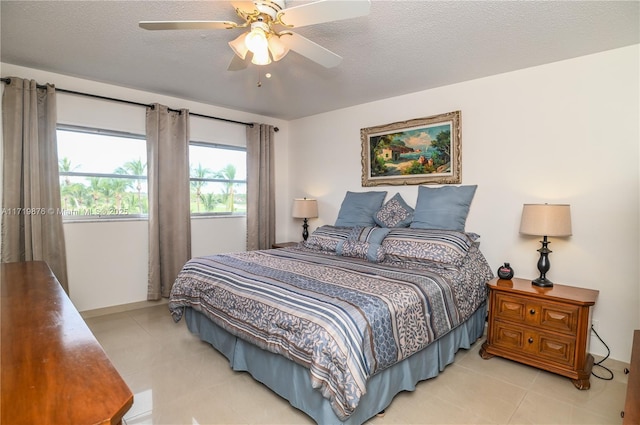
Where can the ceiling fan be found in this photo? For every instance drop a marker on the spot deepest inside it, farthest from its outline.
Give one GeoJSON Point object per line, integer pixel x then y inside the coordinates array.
{"type": "Point", "coordinates": [269, 22]}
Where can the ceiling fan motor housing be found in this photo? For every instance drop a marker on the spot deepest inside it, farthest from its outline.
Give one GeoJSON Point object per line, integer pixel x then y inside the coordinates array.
{"type": "Point", "coordinates": [269, 7]}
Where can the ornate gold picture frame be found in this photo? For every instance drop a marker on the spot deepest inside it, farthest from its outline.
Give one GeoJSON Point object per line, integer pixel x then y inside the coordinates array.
{"type": "Point", "coordinates": [418, 151]}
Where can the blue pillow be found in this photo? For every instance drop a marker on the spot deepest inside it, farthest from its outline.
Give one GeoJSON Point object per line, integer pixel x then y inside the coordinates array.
{"type": "Point", "coordinates": [394, 213]}
{"type": "Point", "coordinates": [358, 208]}
{"type": "Point", "coordinates": [443, 207]}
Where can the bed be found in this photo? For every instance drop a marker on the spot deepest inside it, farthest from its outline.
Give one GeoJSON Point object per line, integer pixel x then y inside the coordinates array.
{"type": "Point", "coordinates": [340, 323]}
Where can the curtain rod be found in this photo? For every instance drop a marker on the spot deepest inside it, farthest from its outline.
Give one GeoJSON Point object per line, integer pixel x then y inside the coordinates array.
{"type": "Point", "coordinates": [248, 124]}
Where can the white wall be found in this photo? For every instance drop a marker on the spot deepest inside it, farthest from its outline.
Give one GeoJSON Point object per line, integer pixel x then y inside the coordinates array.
{"type": "Point", "coordinates": [564, 132]}
{"type": "Point", "coordinates": [107, 262]}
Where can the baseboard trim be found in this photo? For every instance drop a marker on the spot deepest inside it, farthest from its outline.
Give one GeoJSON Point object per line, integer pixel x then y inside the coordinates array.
{"type": "Point", "coordinates": [121, 308]}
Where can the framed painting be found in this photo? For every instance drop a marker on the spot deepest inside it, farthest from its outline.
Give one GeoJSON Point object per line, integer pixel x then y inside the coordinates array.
{"type": "Point", "coordinates": [418, 151]}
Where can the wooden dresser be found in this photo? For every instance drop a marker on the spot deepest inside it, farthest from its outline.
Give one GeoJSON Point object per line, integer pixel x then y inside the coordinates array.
{"type": "Point", "coordinates": [631, 413]}
{"type": "Point", "coordinates": [53, 371]}
{"type": "Point", "coordinates": [547, 328]}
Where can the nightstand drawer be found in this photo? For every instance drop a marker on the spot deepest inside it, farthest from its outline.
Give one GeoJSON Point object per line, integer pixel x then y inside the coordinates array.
{"type": "Point", "coordinates": [562, 318]}
{"type": "Point", "coordinates": [510, 337]}
{"type": "Point", "coordinates": [557, 349]}
{"type": "Point", "coordinates": [555, 317]}
{"type": "Point", "coordinates": [528, 341]}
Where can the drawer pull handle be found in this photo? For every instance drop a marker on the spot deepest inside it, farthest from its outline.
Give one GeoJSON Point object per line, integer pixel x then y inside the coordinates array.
{"type": "Point", "coordinates": [532, 311]}
{"type": "Point", "coordinates": [530, 340]}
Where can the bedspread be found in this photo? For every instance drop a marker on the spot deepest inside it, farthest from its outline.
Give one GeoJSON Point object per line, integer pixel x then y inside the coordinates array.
{"type": "Point", "coordinates": [345, 319]}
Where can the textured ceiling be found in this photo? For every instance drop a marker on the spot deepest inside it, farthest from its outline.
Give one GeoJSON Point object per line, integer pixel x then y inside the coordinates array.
{"type": "Point", "coordinates": [400, 47]}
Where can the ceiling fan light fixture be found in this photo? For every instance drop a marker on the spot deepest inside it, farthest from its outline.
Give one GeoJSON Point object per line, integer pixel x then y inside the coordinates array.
{"type": "Point", "coordinates": [239, 47]}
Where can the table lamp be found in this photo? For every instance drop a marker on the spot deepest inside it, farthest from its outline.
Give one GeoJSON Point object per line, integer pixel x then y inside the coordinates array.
{"type": "Point", "coordinates": [306, 209]}
{"type": "Point", "coordinates": [545, 220]}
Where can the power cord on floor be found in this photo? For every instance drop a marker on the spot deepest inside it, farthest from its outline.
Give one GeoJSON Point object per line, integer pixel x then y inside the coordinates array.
{"type": "Point", "coordinates": [599, 364]}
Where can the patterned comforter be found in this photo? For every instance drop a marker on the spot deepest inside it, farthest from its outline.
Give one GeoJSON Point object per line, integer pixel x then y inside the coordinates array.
{"type": "Point", "coordinates": [344, 319]}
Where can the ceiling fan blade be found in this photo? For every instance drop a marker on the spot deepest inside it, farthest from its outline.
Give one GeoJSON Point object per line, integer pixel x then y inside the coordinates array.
{"type": "Point", "coordinates": [187, 25]}
{"type": "Point", "coordinates": [311, 50]}
{"type": "Point", "coordinates": [238, 64]}
{"type": "Point", "coordinates": [324, 11]}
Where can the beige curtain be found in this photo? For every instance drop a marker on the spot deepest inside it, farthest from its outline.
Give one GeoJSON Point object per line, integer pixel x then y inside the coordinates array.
{"type": "Point", "coordinates": [31, 223]}
{"type": "Point", "coordinates": [261, 205]}
{"type": "Point", "coordinates": [169, 211]}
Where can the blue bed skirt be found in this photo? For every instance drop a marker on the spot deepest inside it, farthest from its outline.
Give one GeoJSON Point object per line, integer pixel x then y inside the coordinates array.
{"type": "Point", "coordinates": [292, 382]}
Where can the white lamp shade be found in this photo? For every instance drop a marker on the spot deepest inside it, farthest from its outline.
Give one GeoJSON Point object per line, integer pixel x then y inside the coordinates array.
{"type": "Point", "coordinates": [305, 208]}
{"type": "Point", "coordinates": [546, 220]}
{"type": "Point", "coordinates": [239, 47]}
{"type": "Point", "coordinates": [277, 48]}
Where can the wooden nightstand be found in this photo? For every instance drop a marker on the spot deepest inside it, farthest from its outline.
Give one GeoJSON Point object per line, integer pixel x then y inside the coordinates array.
{"type": "Point", "coordinates": [631, 412]}
{"type": "Point", "coordinates": [547, 328]}
{"type": "Point", "coordinates": [284, 244]}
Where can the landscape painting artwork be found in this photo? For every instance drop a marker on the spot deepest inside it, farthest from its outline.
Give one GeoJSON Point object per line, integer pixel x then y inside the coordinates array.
{"type": "Point", "coordinates": [418, 151]}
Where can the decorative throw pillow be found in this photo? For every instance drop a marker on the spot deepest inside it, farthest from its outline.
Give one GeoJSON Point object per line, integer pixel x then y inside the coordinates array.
{"type": "Point", "coordinates": [437, 247]}
{"type": "Point", "coordinates": [373, 235]}
{"type": "Point", "coordinates": [371, 252]}
{"type": "Point", "coordinates": [364, 242]}
{"type": "Point", "coordinates": [394, 213]}
{"type": "Point", "coordinates": [444, 207]}
{"type": "Point", "coordinates": [326, 238]}
{"type": "Point", "coordinates": [358, 208]}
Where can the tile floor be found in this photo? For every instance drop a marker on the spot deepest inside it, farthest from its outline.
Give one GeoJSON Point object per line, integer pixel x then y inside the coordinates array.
{"type": "Point", "coordinates": [176, 379]}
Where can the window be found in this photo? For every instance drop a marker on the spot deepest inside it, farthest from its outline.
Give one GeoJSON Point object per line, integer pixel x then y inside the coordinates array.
{"type": "Point", "coordinates": [218, 179]}
{"type": "Point", "coordinates": [103, 173]}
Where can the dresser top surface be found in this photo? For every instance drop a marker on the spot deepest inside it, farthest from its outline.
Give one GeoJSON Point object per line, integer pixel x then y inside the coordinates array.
{"type": "Point", "coordinates": [53, 370]}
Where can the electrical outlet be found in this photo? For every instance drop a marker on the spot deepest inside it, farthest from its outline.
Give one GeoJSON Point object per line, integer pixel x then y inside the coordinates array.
{"type": "Point", "coordinates": [596, 325]}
